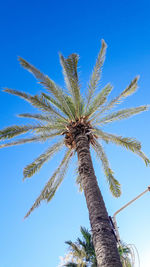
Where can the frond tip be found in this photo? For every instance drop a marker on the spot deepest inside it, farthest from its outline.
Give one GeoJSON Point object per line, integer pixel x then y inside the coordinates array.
{"type": "Point", "coordinates": [96, 75]}
{"type": "Point", "coordinates": [121, 114]}
{"type": "Point", "coordinates": [113, 183]}
{"type": "Point", "coordinates": [15, 130]}
{"type": "Point", "coordinates": [54, 182]}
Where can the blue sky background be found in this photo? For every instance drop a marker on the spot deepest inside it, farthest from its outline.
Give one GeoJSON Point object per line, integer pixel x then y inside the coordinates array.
{"type": "Point", "coordinates": [37, 31]}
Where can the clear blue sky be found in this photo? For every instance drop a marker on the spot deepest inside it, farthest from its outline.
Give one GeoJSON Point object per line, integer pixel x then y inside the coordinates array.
{"type": "Point", "coordinates": [37, 31]}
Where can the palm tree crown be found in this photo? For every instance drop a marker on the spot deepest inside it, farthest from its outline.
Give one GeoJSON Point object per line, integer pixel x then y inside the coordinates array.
{"type": "Point", "coordinates": [66, 114]}
{"type": "Point", "coordinates": [82, 251]}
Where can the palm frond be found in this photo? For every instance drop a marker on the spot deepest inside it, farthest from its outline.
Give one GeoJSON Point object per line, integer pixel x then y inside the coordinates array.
{"type": "Point", "coordinates": [37, 73]}
{"type": "Point", "coordinates": [48, 84]}
{"type": "Point", "coordinates": [36, 165]}
{"type": "Point", "coordinates": [54, 102]}
{"type": "Point", "coordinates": [52, 185]}
{"type": "Point", "coordinates": [39, 138]}
{"type": "Point", "coordinates": [69, 66]}
{"type": "Point", "coordinates": [58, 105]}
{"type": "Point", "coordinates": [41, 103]}
{"type": "Point", "coordinates": [99, 100]}
{"type": "Point", "coordinates": [127, 142]}
{"type": "Point", "coordinates": [61, 172]}
{"type": "Point", "coordinates": [113, 183]}
{"type": "Point", "coordinates": [86, 235]}
{"type": "Point", "coordinates": [15, 130]}
{"type": "Point", "coordinates": [144, 157]}
{"type": "Point", "coordinates": [95, 78]}
{"type": "Point", "coordinates": [120, 115]}
{"type": "Point", "coordinates": [37, 101]}
{"type": "Point", "coordinates": [50, 127]}
{"type": "Point", "coordinates": [75, 248]}
{"type": "Point", "coordinates": [71, 105]}
{"type": "Point", "coordinates": [117, 100]}
{"type": "Point", "coordinates": [37, 116]}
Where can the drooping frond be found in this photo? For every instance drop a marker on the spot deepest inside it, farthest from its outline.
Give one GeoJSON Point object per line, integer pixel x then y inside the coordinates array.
{"type": "Point", "coordinates": [39, 138]}
{"type": "Point", "coordinates": [69, 66]}
{"type": "Point", "coordinates": [15, 130]}
{"type": "Point", "coordinates": [113, 183]}
{"type": "Point", "coordinates": [120, 115]}
{"type": "Point", "coordinates": [144, 157]}
{"type": "Point", "coordinates": [60, 174]}
{"type": "Point", "coordinates": [94, 81]}
{"type": "Point", "coordinates": [48, 84]}
{"type": "Point", "coordinates": [36, 165]}
{"type": "Point", "coordinates": [99, 100]}
{"type": "Point", "coordinates": [37, 101]}
{"type": "Point", "coordinates": [117, 100]}
{"type": "Point", "coordinates": [127, 142]}
{"type": "Point", "coordinates": [75, 248]}
{"type": "Point", "coordinates": [54, 182]}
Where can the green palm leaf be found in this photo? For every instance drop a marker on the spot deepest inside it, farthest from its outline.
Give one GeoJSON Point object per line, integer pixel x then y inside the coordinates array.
{"type": "Point", "coordinates": [37, 101]}
{"type": "Point", "coordinates": [52, 185]}
{"type": "Point", "coordinates": [144, 157]}
{"type": "Point", "coordinates": [39, 138]}
{"type": "Point", "coordinates": [77, 252]}
{"type": "Point", "coordinates": [120, 115]}
{"type": "Point", "coordinates": [69, 66]}
{"type": "Point", "coordinates": [95, 78]}
{"type": "Point", "coordinates": [35, 116]}
{"type": "Point", "coordinates": [117, 100]}
{"type": "Point", "coordinates": [48, 84]}
{"type": "Point", "coordinates": [86, 235]}
{"type": "Point", "coordinates": [99, 100]}
{"type": "Point", "coordinates": [15, 130]}
{"type": "Point", "coordinates": [113, 183]}
{"type": "Point", "coordinates": [36, 165]}
{"type": "Point", "coordinates": [128, 143]}
{"type": "Point", "coordinates": [58, 105]}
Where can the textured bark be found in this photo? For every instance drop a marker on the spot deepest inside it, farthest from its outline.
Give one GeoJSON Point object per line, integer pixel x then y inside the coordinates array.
{"type": "Point", "coordinates": [103, 237]}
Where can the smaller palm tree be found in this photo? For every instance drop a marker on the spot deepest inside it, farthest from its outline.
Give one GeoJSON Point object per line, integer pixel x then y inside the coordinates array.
{"type": "Point", "coordinates": [125, 255]}
{"type": "Point", "coordinates": [82, 253]}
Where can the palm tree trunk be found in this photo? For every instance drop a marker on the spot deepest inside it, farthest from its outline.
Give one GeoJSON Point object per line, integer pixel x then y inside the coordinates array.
{"type": "Point", "coordinates": [103, 237]}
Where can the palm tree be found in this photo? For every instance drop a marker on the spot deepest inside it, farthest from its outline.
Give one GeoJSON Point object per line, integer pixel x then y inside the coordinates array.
{"type": "Point", "coordinates": [82, 253]}
{"type": "Point", "coordinates": [125, 252]}
{"type": "Point", "coordinates": [76, 123]}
